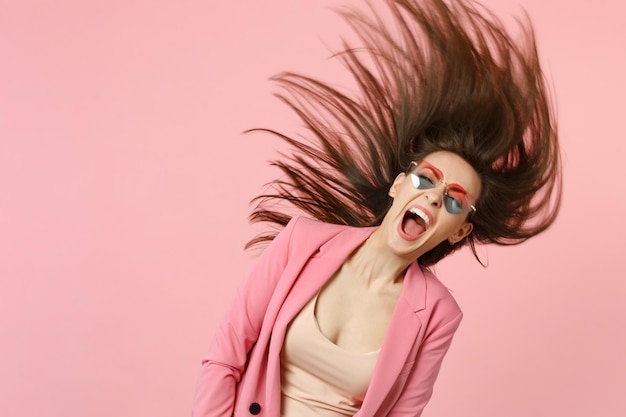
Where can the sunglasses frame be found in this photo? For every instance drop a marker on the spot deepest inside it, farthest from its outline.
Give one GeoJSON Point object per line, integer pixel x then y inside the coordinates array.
{"type": "Point", "coordinates": [470, 200]}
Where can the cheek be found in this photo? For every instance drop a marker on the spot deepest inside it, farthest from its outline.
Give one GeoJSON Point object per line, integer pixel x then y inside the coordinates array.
{"type": "Point", "coordinates": [451, 223]}
{"type": "Point", "coordinates": [404, 196]}
{"type": "Point", "coordinates": [405, 190]}
{"type": "Point", "coordinates": [394, 209]}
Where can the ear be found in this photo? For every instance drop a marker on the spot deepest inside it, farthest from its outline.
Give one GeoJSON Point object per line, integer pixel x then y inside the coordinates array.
{"type": "Point", "coordinates": [463, 231]}
{"type": "Point", "coordinates": [396, 183]}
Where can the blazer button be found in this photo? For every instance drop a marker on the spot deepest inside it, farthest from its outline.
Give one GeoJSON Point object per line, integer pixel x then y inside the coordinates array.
{"type": "Point", "coordinates": [255, 408]}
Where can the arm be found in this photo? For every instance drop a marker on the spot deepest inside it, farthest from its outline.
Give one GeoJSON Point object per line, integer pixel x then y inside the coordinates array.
{"type": "Point", "coordinates": [238, 331]}
{"type": "Point", "coordinates": [421, 379]}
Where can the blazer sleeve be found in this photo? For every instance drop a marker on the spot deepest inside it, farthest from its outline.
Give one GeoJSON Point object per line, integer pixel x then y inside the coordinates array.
{"type": "Point", "coordinates": [419, 386]}
{"type": "Point", "coordinates": [238, 330]}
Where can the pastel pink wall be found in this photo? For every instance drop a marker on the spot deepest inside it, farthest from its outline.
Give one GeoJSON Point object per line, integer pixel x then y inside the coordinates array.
{"type": "Point", "coordinates": [124, 189]}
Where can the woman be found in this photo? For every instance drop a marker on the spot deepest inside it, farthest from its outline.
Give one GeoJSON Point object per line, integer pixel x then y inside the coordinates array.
{"type": "Point", "coordinates": [450, 143]}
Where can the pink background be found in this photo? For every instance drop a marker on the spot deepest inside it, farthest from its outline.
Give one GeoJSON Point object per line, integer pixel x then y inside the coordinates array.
{"type": "Point", "coordinates": [124, 189]}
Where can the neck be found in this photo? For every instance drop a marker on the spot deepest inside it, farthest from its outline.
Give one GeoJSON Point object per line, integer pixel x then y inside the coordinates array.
{"type": "Point", "coordinates": [377, 264]}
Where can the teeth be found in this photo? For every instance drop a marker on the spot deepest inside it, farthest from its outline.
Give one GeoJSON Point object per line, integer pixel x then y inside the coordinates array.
{"type": "Point", "coordinates": [421, 214]}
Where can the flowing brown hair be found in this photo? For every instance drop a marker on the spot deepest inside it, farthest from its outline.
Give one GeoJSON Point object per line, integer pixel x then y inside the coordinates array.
{"type": "Point", "coordinates": [441, 76]}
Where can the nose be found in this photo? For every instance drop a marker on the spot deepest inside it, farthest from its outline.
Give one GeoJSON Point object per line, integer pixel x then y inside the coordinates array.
{"type": "Point", "coordinates": [435, 195]}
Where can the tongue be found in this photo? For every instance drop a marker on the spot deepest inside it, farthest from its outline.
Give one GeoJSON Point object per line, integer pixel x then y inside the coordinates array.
{"type": "Point", "coordinates": [413, 227]}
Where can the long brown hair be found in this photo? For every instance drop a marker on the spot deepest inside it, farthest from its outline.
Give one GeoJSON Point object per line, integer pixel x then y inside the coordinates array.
{"type": "Point", "coordinates": [441, 77]}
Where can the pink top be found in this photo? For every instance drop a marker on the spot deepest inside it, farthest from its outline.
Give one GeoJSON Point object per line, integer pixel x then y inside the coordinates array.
{"type": "Point", "coordinates": [318, 378]}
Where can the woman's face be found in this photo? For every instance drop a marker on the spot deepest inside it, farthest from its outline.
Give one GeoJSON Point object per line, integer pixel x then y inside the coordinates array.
{"type": "Point", "coordinates": [430, 205]}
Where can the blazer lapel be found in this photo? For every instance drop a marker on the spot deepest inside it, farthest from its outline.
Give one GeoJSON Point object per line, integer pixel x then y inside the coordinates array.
{"type": "Point", "coordinates": [400, 339]}
{"type": "Point", "coordinates": [319, 268]}
{"type": "Point", "coordinates": [307, 275]}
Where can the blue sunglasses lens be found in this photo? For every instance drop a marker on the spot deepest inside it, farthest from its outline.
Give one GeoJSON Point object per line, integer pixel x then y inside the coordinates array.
{"type": "Point", "coordinates": [454, 206]}
{"type": "Point", "coordinates": [422, 182]}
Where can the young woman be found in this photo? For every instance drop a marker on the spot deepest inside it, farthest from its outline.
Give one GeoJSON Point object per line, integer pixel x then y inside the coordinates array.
{"type": "Point", "coordinates": [451, 142]}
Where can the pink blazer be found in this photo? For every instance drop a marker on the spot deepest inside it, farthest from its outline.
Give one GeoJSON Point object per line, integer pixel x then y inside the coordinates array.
{"type": "Point", "coordinates": [240, 375]}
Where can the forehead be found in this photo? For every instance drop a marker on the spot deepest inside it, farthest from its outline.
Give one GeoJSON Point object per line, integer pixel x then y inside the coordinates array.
{"type": "Point", "coordinates": [456, 170]}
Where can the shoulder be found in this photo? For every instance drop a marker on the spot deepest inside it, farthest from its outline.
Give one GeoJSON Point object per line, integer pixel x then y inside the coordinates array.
{"type": "Point", "coordinates": [440, 296]}
{"type": "Point", "coordinates": [307, 228]}
{"type": "Point", "coordinates": [309, 225]}
{"type": "Point", "coordinates": [436, 288]}
{"type": "Point", "coordinates": [317, 238]}
{"type": "Point", "coordinates": [438, 303]}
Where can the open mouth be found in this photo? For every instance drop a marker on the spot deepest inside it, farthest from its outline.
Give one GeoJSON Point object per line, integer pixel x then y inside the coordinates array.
{"type": "Point", "coordinates": [414, 223]}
